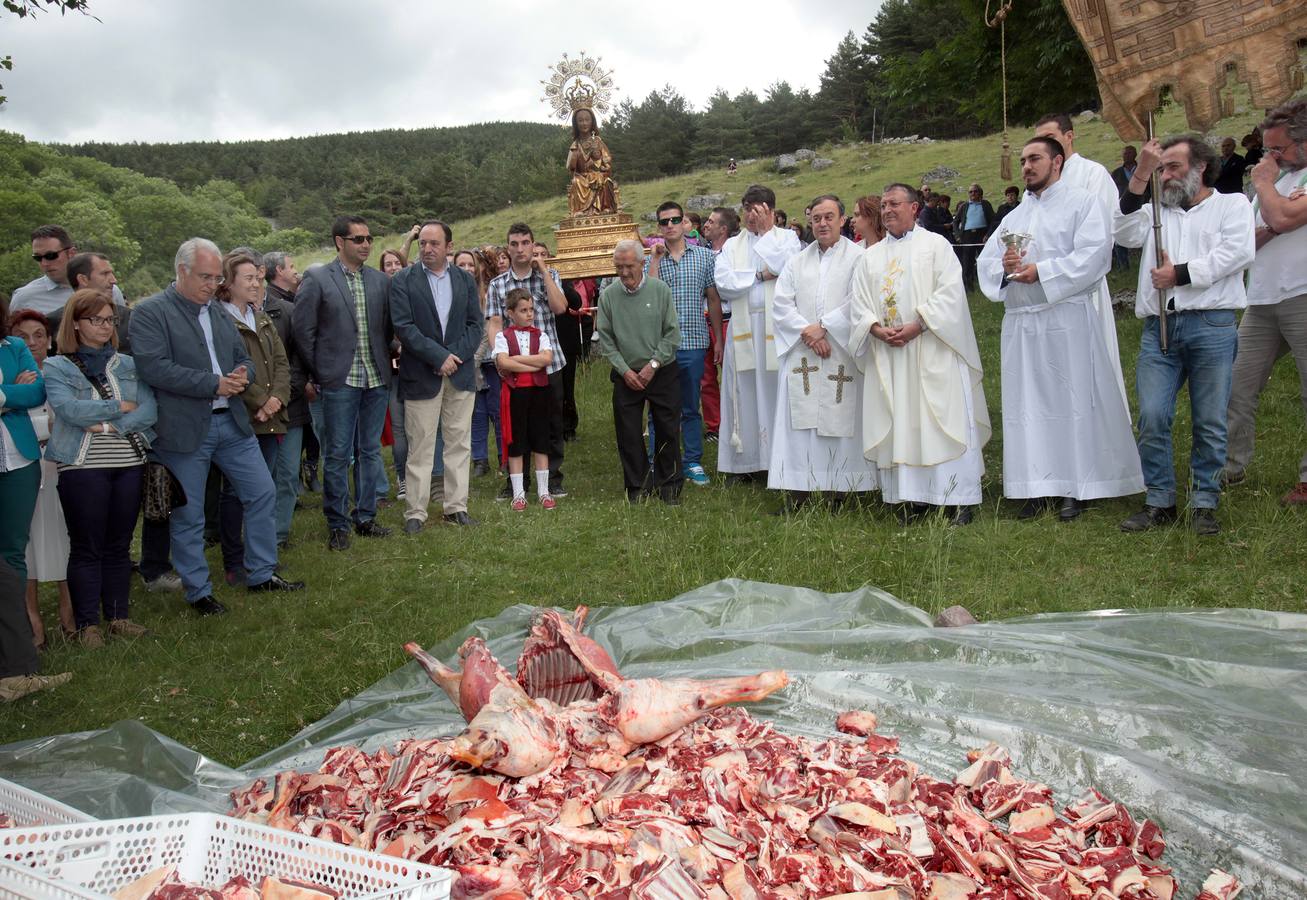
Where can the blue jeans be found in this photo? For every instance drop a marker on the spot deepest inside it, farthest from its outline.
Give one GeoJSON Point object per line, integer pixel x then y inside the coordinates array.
{"type": "Point", "coordinates": [238, 456]}
{"type": "Point", "coordinates": [485, 412]}
{"type": "Point", "coordinates": [231, 516]}
{"type": "Point", "coordinates": [1202, 350]}
{"type": "Point", "coordinates": [286, 475]}
{"type": "Point", "coordinates": [691, 364]}
{"type": "Point", "coordinates": [344, 411]}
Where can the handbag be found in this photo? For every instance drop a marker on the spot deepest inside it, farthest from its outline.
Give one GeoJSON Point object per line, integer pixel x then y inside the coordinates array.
{"type": "Point", "coordinates": [161, 492]}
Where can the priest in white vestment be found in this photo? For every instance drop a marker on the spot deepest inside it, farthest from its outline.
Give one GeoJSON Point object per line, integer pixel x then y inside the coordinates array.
{"type": "Point", "coordinates": [1066, 426]}
{"type": "Point", "coordinates": [745, 274]}
{"type": "Point", "coordinates": [1093, 177]}
{"type": "Point", "coordinates": [924, 419]}
{"type": "Point", "coordinates": [816, 434]}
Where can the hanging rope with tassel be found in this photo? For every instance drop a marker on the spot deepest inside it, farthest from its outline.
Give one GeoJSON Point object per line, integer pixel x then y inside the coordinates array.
{"type": "Point", "coordinates": [999, 21]}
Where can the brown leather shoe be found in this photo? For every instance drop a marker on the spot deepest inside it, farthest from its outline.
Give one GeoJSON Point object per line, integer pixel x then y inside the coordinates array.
{"type": "Point", "coordinates": [90, 637]}
{"type": "Point", "coordinates": [127, 628]}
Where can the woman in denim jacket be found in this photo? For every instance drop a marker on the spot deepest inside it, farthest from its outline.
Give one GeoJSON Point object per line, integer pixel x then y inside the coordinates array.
{"type": "Point", "coordinates": [99, 443]}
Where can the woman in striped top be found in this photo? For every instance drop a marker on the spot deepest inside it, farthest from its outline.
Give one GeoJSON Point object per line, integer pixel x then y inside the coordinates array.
{"type": "Point", "coordinates": [102, 424]}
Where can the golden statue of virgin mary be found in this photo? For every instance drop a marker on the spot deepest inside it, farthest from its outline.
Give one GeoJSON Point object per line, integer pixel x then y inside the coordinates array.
{"type": "Point", "coordinates": [575, 90]}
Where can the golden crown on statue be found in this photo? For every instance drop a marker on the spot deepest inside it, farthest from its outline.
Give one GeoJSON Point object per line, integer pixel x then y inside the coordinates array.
{"type": "Point", "coordinates": [578, 84]}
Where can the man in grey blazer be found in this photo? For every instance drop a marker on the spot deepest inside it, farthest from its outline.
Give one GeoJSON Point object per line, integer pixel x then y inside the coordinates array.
{"type": "Point", "coordinates": [439, 323]}
{"type": "Point", "coordinates": [342, 330]}
{"type": "Point", "coordinates": [187, 349]}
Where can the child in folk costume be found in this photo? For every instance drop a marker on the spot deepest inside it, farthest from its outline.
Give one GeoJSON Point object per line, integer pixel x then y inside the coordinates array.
{"type": "Point", "coordinates": [523, 353]}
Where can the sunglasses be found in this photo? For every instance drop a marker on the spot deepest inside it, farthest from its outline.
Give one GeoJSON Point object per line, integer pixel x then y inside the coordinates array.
{"type": "Point", "coordinates": [671, 220]}
{"type": "Point", "coordinates": [49, 257]}
{"type": "Point", "coordinates": [359, 239]}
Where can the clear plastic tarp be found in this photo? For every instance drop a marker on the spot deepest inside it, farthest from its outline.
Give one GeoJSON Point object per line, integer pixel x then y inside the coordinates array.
{"type": "Point", "coordinates": [1194, 718]}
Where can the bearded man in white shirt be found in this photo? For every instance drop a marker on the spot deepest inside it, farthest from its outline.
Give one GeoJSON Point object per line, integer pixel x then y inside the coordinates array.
{"type": "Point", "coordinates": [1066, 425]}
{"type": "Point", "coordinates": [1207, 243]}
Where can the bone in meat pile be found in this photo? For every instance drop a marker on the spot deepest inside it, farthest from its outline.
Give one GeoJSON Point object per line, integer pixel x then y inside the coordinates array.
{"type": "Point", "coordinates": [571, 781]}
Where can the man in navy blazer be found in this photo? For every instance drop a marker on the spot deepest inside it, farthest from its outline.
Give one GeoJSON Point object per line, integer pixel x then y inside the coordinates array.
{"type": "Point", "coordinates": [342, 331]}
{"type": "Point", "coordinates": [187, 349]}
{"type": "Point", "coordinates": [439, 323]}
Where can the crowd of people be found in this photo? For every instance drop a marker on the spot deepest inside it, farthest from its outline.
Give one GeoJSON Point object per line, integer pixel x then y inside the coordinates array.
{"type": "Point", "coordinates": [848, 364]}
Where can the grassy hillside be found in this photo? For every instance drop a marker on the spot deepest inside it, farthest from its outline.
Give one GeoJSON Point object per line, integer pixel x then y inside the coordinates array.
{"type": "Point", "coordinates": [858, 169]}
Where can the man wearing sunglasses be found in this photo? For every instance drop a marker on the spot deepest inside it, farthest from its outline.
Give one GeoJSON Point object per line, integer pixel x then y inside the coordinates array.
{"type": "Point", "coordinates": [688, 271]}
{"type": "Point", "coordinates": [341, 324]}
{"type": "Point", "coordinates": [52, 250]}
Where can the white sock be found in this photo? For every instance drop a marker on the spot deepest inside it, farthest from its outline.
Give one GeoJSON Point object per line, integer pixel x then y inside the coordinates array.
{"type": "Point", "coordinates": [519, 490]}
{"type": "Point", "coordinates": [542, 482]}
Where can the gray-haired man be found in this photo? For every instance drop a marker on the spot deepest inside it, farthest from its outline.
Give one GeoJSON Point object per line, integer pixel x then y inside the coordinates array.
{"type": "Point", "coordinates": [639, 334]}
{"type": "Point", "coordinates": [188, 350]}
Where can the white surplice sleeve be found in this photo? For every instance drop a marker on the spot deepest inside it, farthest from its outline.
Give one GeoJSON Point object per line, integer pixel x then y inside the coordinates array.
{"type": "Point", "coordinates": [787, 321]}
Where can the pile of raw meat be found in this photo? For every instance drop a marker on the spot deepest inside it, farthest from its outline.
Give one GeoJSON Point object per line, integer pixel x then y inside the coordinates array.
{"type": "Point", "coordinates": [166, 884]}
{"type": "Point", "coordinates": [571, 781]}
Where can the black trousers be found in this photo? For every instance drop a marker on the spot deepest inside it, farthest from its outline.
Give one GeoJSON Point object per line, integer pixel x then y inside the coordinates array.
{"type": "Point", "coordinates": [663, 399]}
{"type": "Point", "coordinates": [557, 428]}
{"type": "Point", "coordinates": [156, 549]}
{"type": "Point", "coordinates": [969, 255]}
{"type": "Point", "coordinates": [569, 340]}
{"type": "Point", "coordinates": [18, 654]}
{"type": "Point", "coordinates": [100, 507]}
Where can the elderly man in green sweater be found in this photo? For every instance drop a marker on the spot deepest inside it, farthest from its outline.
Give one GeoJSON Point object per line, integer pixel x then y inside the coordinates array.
{"type": "Point", "coordinates": [638, 333]}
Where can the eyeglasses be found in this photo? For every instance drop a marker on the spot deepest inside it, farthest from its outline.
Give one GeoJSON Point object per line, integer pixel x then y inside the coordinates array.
{"type": "Point", "coordinates": [671, 220]}
{"type": "Point", "coordinates": [49, 257]}
{"type": "Point", "coordinates": [101, 320]}
{"type": "Point", "coordinates": [1277, 152]}
{"type": "Point", "coordinates": [359, 238]}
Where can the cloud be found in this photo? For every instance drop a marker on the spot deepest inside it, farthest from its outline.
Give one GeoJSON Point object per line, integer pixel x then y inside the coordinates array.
{"type": "Point", "coordinates": [244, 70]}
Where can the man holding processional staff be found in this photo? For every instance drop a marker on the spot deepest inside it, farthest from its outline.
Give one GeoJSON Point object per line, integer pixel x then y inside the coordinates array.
{"type": "Point", "coordinates": [1206, 244]}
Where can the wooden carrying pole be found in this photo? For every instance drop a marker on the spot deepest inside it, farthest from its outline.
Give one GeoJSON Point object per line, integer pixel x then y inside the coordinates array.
{"type": "Point", "coordinates": [1155, 188]}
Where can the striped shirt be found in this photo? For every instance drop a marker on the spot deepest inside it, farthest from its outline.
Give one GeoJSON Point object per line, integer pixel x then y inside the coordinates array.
{"type": "Point", "coordinates": [689, 277]}
{"type": "Point", "coordinates": [362, 372]}
{"type": "Point", "coordinates": [107, 451]}
{"type": "Point", "coordinates": [498, 289]}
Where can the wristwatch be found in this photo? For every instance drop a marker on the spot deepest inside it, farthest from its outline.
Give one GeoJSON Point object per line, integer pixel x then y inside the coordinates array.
{"type": "Point", "coordinates": [654, 364]}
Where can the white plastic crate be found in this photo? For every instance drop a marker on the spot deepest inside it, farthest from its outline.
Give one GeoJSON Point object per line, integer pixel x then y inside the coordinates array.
{"type": "Point", "coordinates": [29, 808]}
{"type": "Point", "coordinates": [208, 849]}
{"type": "Point", "coordinates": [19, 883]}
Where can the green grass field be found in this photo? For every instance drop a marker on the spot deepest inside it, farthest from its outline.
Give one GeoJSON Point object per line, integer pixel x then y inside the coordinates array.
{"type": "Point", "coordinates": [238, 685]}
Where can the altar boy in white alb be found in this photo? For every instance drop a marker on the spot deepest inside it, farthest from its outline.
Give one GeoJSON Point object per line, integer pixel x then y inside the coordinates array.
{"type": "Point", "coordinates": [746, 273]}
{"type": "Point", "coordinates": [924, 419]}
{"type": "Point", "coordinates": [816, 438]}
{"type": "Point", "coordinates": [1066, 426]}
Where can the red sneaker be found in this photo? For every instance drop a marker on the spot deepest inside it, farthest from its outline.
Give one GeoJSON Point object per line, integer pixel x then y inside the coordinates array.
{"type": "Point", "coordinates": [1297, 496]}
{"type": "Point", "coordinates": [518, 504]}
{"type": "Point", "coordinates": [547, 502]}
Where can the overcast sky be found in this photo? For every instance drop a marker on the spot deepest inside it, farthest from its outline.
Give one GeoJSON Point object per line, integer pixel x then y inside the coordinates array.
{"type": "Point", "coordinates": [176, 70]}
